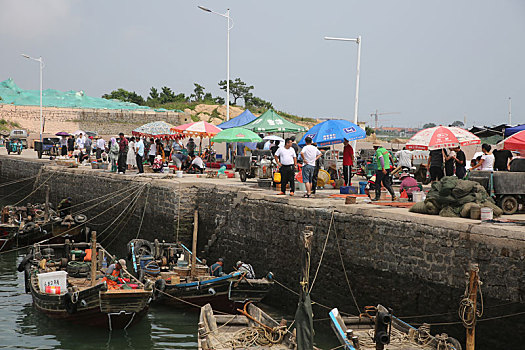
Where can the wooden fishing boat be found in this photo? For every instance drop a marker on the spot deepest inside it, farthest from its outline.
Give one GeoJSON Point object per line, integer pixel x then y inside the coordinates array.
{"type": "Point", "coordinates": [25, 225]}
{"type": "Point", "coordinates": [252, 328]}
{"type": "Point", "coordinates": [169, 267]}
{"type": "Point", "coordinates": [356, 333]}
{"type": "Point", "coordinates": [63, 288]}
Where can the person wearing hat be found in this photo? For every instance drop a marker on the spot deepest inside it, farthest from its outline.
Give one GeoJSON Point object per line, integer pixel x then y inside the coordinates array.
{"type": "Point", "coordinates": [246, 269]}
{"type": "Point", "coordinates": [348, 162]}
{"type": "Point", "coordinates": [383, 171]}
{"type": "Point", "coordinates": [408, 184]}
{"type": "Point", "coordinates": [113, 273]}
{"type": "Point", "coordinates": [216, 269]}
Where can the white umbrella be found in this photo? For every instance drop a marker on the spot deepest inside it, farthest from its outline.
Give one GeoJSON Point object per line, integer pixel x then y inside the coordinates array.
{"type": "Point", "coordinates": [273, 137]}
{"type": "Point", "coordinates": [79, 132]}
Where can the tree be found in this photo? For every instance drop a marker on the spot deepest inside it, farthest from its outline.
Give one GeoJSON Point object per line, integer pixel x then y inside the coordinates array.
{"type": "Point", "coordinates": [458, 123]}
{"type": "Point", "coordinates": [257, 102]}
{"type": "Point", "coordinates": [153, 94]}
{"type": "Point", "coordinates": [369, 131]}
{"type": "Point", "coordinates": [429, 125]}
{"type": "Point", "coordinates": [125, 96]}
{"type": "Point", "coordinates": [198, 93]}
{"type": "Point", "coordinates": [238, 89]}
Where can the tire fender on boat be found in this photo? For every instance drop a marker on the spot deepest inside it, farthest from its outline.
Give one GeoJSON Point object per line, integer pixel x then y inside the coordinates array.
{"type": "Point", "coordinates": [80, 218]}
{"type": "Point", "coordinates": [30, 226]}
{"type": "Point", "coordinates": [158, 289]}
{"type": "Point", "coordinates": [25, 260]}
{"type": "Point", "coordinates": [71, 307]}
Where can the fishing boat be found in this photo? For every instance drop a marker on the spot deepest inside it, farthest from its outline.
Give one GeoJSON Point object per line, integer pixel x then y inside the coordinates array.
{"type": "Point", "coordinates": [67, 282]}
{"type": "Point", "coordinates": [180, 279]}
{"type": "Point", "coordinates": [32, 223]}
{"type": "Point", "coordinates": [252, 328]}
{"type": "Point", "coordinates": [377, 328]}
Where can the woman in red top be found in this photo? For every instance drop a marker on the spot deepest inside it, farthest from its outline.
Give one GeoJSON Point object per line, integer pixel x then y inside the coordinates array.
{"type": "Point", "coordinates": [348, 161]}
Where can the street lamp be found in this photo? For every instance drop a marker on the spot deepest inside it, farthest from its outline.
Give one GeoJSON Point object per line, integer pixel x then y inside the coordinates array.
{"type": "Point", "coordinates": [229, 27]}
{"type": "Point", "coordinates": [358, 41]}
{"type": "Point", "coordinates": [510, 111]}
{"type": "Point", "coordinates": [41, 67]}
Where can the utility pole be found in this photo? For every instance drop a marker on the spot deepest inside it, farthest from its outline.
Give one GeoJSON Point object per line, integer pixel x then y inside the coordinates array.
{"type": "Point", "coordinates": [510, 111]}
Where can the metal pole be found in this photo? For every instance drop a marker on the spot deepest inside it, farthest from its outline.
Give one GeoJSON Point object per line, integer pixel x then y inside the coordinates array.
{"type": "Point", "coordinates": [41, 118]}
{"type": "Point", "coordinates": [510, 111]}
{"type": "Point", "coordinates": [194, 244]}
{"type": "Point", "coordinates": [228, 68]}
{"type": "Point", "coordinates": [356, 105]}
{"type": "Point", "coordinates": [93, 258]}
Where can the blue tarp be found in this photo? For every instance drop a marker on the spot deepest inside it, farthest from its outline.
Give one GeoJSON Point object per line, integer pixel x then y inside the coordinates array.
{"type": "Point", "coordinates": [242, 119]}
{"type": "Point", "coordinates": [332, 132]}
{"type": "Point", "coordinates": [513, 130]}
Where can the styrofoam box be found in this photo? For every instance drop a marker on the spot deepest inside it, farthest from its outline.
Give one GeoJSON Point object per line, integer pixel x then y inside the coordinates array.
{"type": "Point", "coordinates": [57, 278]}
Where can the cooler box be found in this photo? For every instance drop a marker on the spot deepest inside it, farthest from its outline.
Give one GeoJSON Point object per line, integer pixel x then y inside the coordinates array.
{"type": "Point", "coordinates": [53, 279]}
{"type": "Point", "coordinates": [348, 190]}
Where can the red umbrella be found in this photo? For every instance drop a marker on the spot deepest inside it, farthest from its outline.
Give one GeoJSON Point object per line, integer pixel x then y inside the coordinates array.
{"type": "Point", "coordinates": [514, 142]}
{"type": "Point", "coordinates": [442, 137]}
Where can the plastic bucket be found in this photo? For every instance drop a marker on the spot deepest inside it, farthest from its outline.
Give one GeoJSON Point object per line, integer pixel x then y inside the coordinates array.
{"type": "Point", "coordinates": [487, 214]}
{"type": "Point", "coordinates": [362, 186]}
{"type": "Point", "coordinates": [418, 196]}
{"type": "Point", "coordinates": [178, 173]}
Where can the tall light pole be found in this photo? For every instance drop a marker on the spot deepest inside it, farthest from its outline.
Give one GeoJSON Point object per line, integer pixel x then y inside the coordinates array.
{"type": "Point", "coordinates": [510, 111]}
{"type": "Point", "coordinates": [229, 27]}
{"type": "Point", "coordinates": [356, 104]}
{"type": "Point", "coordinates": [41, 67]}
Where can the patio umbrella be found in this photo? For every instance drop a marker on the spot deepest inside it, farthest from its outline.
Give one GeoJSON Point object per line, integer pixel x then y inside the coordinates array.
{"type": "Point", "coordinates": [79, 132]}
{"type": "Point", "coordinates": [236, 135]}
{"type": "Point", "coordinates": [240, 120]}
{"type": "Point", "coordinates": [62, 133]}
{"type": "Point", "coordinates": [332, 132]}
{"type": "Point", "coordinates": [202, 129]}
{"type": "Point", "coordinates": [91, 133]}
{"type": "Point", "coordinates": [442, 137]}
{"type": "Point", "coordinates": [516, 142]}
{"type": "Point", "coordinates": [158, 129]}
{"type": "Point", "coordinates": [270, 121]}
{"type": "Point", "coordinates": [273, 138]}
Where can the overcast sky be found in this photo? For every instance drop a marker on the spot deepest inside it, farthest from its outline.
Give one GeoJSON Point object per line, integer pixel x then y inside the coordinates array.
{"type": "Point", "coordinates": [431, 61]}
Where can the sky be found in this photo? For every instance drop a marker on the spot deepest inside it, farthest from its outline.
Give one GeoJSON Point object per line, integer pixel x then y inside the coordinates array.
{"type": "Point", "coordinates": [427, 61]}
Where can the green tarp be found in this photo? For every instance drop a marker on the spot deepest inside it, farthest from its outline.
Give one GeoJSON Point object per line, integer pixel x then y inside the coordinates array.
{"type": "Point", "coordinates": [273, 122]}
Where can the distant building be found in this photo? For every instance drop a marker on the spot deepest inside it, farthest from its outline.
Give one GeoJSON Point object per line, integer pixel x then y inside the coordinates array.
{"type": "Point", "coordinates": [396, 131]}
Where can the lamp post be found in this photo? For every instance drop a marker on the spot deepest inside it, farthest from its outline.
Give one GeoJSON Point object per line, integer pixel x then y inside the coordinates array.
{"type": "Point", "coordinates": [510, 111]}
{"type": "Point", "coordinates": [358, 41]}
{"type": "Point", "coordinates": [229, 27]}
{"type": "Point", "coordinates": [41, 67]}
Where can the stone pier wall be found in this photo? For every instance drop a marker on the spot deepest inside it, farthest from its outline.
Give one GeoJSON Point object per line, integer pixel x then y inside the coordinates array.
{"type": "Point", "coordinates": [393, 257]}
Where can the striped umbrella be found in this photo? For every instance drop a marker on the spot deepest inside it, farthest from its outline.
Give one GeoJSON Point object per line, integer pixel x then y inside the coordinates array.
{"type": "Point", "coordinates": [198, 129]}
{"type": "Point", "coordinates": [442, 137]}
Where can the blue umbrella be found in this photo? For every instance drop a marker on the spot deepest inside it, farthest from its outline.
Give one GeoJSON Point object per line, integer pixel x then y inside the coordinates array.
{"type": "Point", "coordinates": [333, 131]}
{"type": "Point", "coordinates": [242, 119]}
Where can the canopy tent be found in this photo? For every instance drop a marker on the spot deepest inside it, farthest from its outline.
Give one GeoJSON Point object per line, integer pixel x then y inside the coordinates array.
{"type": "Point", "coordinates": [332, 132]}
{"type": "Point", "coordinates": [513, 130]}
{"type": "Point", "coordinates": [488, 131]}
{"type": "Point", "coordinates": [199, 129]}
{"type": "Point", "coordinates": [270, 121]}
{"type": "Point", "coordinates": [236, 135]}
{"type": "Point", "coordinates": [516, 142]}
{"type": "Point", "coordinates": [242, 119]}
{"type": "Point", "coordinates": [442, 137]}
{"type": "Point", "coordinates": [158, 129]}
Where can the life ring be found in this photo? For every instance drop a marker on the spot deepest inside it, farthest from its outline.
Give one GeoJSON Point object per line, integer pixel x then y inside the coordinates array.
{"type": "Point", "coordinates": [158, 289]}
{"type": "Point", "coordinates": [29, 227]}
{"type": "Point", "coordinates": [70, 306]}
{"type": "Point", "coordinates": [25, 260]}
{"type": "Point", "coordinates": [55, 218]}
{"type": "Point", "coordinates": [80, 218]}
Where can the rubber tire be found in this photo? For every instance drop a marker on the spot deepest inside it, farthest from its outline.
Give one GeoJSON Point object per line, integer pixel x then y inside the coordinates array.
{"type": "Point", "coordinates": [455, 343]}
{"type": "Point", "coordinates": [22, 266]}
{"type": "Point", "coordinates": [27, 281]}
{"type": "Point", "coordinates": [55, 218]}
{"type": "Point", "coordinates": [158, 288]}
{"type": "Point", "coordinates": [242, 175]}
{"type": "Point", "coordinates": [80, 218]}
{"type": "Point", "coordinates": [144, 244]}
{"type": "Point", "coordinates": [29, 227]}
{"type": "Point", "coordinates": [71, 307]}
{"type": "Point", "coordinates": [509, 205]}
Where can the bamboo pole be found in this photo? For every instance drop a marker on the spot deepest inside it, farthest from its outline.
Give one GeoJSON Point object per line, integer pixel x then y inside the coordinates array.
{"type": "Point", "coordinates": [473, 292]}
{"type": "Point", "coordinates": [93, 258]}
{"type": "Point", "coordinates": [194, 244]}
{"type": "Point", "coordinates": [46, 208]}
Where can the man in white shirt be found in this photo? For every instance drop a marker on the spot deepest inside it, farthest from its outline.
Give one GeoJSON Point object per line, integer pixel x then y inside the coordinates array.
{"type": "Point", "coordinates": [197, 164]}
{"type": "Point", "coordinates": [80, 141]}
{"type": "Point", "coordinates": [310, 154]}
{"type": "Point", "coordinates": [101, 147]}
{"type": "Point", "coordinates": [287, 161]}
{"type": "Point", "coordinates": [152, 151]}
{"type": "Point", "coordinates": [139, 155]}
{"type": "Point", "coordinates": [404, 161]}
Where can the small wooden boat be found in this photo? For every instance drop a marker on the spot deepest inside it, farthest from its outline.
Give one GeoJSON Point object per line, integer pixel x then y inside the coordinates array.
{"type": "Point", "coordinates": [24, 225]}
{"type": "Point", "coordinates": [169, 267]}
{"type": "Point", "coordinates": [252, 329]}
{"type": "Point", "coordinates": [356, 333]}
{"type": "Point", "coordinates": [65, 288]}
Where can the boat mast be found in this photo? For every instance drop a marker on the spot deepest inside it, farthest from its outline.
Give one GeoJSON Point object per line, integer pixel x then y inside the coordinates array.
{"type": "Point", "coordinates": [93, 258]}
{"type": "Point", "coordinates": [472, 297]}
{"type": "Point", "coordinates": [194, 244]}
{"type": "Point", "coordinates": [46, 208]}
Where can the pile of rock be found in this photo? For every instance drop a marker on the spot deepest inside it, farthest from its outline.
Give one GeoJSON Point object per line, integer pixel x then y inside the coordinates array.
{"type": "Point", "coordinates": [453, 197]}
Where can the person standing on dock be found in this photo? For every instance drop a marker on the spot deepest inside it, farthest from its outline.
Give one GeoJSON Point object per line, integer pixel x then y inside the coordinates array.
{"type": "Point", "coordinates": [460, 160]}
{"type": "Point", "coordinates": [70, 145]}
{"type": "Point", "coordinates": [310, 155]}
{"type": "Point", "coordinates": [383, 171]}
{"type": "Point", "coordinates": [435, 164]}
{"type": "Point", "coordinates": [348, 162]}
{"type": "Point", "coordinates": [101, 147]}
{"type": "Point", "coordinates": [113, 154]}
{"type": "Point", "coordinates": [139, 151]}
{"type": "Point", "coordinates": [286, 159]}
{"type": "Point", "coordinates": [122, 153]}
